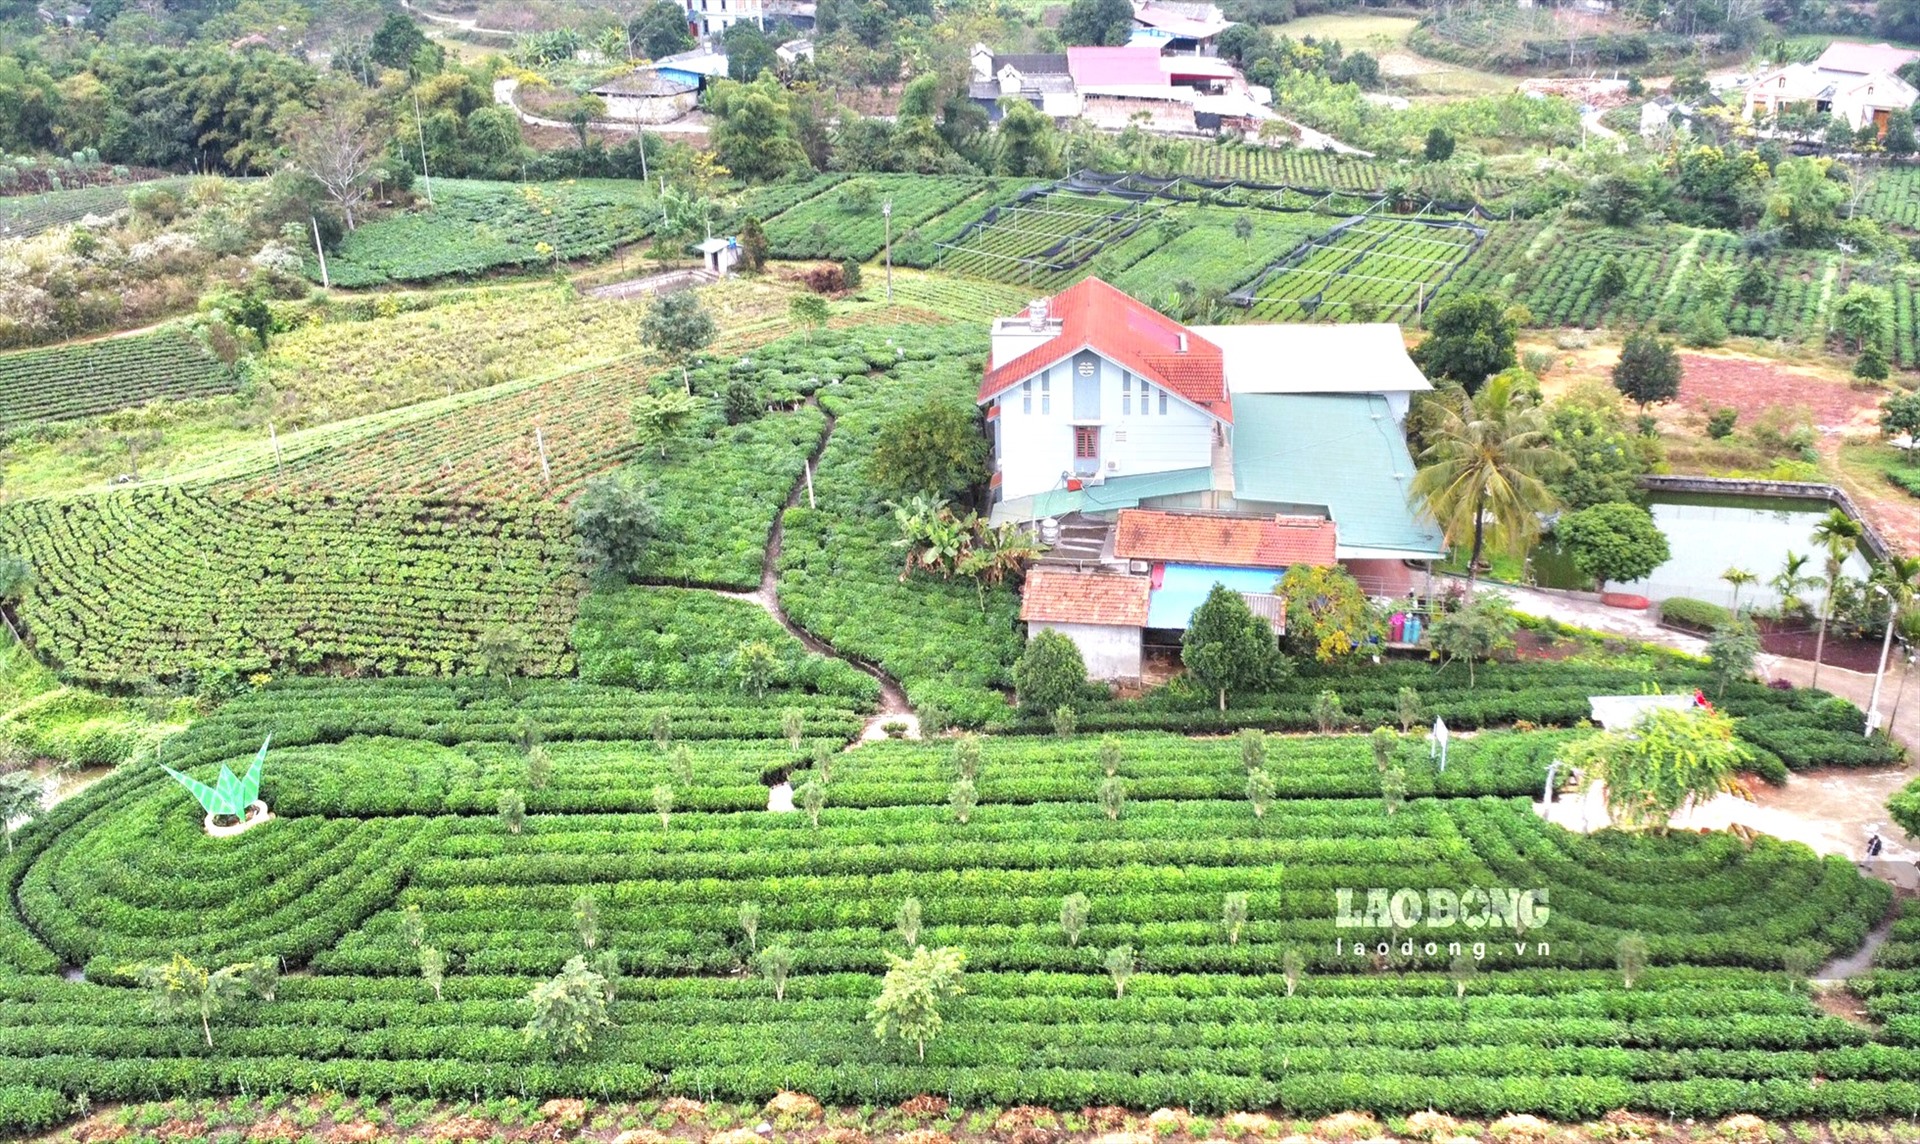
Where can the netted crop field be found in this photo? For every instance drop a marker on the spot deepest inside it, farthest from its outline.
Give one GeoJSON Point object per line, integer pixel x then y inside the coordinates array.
{"type": "Point", "coordinates": [87, 378]}
{"type": "Point", "coordinates": [386, 792]}
{"type": "Point", "coordinates": [1373, 270]}
{"type": "Point", "coordinates": [1041, 242]}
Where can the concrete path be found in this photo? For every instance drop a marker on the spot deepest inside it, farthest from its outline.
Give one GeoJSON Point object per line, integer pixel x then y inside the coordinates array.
{"type": "Point", "coordinates": [1592, 615]}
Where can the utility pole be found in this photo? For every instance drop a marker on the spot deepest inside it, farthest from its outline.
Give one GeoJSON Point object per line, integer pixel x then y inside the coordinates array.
{"type": "Point", "coordinates": [886, 218]}
{"type": "Point", "coordinates": [320, 253]}
{"type": "Point", "coordinates": [419, 127]}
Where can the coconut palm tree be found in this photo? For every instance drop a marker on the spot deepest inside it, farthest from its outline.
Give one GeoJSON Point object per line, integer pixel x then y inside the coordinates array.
{"type": "Point", "coordinates": [1738, 578]}
{"type": "Point", "coordinates": [1484, 470]}
{"type": "Point", "coordinates": [1837, 533]}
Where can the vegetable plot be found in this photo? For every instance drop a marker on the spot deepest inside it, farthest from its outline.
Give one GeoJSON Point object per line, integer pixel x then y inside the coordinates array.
{"type": "Point", "coordinates": [65, 382]}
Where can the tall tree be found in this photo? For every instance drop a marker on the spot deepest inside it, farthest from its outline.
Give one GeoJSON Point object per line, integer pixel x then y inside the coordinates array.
{"type": "Point", "coordinates": [677, 327]}
{"type": "Point", "coordinates": [1838, 534]}
{"type": "Point", "coordinates": [614, 521]}
{"type": "Point", "coordinates": [755, 137]}
{"type": "Point", "coordinates": [1613, 543]}
{"type": "Point", "coordinates": [1648, 371]}
{"type": "Point", "coordinates": [749, 53]}
{"type": "Point", "coordinates": [1097, 22]}
{"type": "Point", "coordinates": [339, 145]}
{"type": "Point", "coordinates": [1027, 143]}
{"type": "Point", "coordinates": [1469, 339]}
{"type": "Point", "coordinates": [1671, 759]}
{"type": "Point", "coordinates": [1227, 648]}
{"type": "Point", "coordinates": [934, 448]}
{"type": "Point", "coordinates": [660, 30]}
{"type": "Point", "coordinates": [1485, 465]}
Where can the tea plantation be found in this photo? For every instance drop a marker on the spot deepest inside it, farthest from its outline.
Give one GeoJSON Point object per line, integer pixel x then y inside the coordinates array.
{"type": "Point", "coordinates": [385, 792]}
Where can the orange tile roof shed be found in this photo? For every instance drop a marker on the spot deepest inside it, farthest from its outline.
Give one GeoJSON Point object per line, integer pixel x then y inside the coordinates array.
{"type": "Point", "coordinates": [1054, 595]}
{"type": "Point", "coordinates": [1229, 541]}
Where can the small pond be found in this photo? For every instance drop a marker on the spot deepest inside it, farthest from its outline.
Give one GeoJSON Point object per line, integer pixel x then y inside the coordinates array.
{"type": "Point", "coordinates": [1709, 533]}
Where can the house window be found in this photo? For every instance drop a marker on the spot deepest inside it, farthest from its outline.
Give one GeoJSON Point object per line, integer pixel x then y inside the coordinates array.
{"type": "Point", "coordinates": [1086, 442]}
{"type": "Point", "coordinates": [1126, 395]}
{"type": "Point", "coordinates": [1146, 395]}
{"type": "Point", "coordinates": [1046, 395]}
{"type": "Point", "coordinates": [1026, 396]}
{"type": "Point", "coordinates": [1163, 403]}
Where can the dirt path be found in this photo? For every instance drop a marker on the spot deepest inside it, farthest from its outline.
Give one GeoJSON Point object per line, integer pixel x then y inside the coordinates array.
{"type": "Point", "coordinates": [893, 698]}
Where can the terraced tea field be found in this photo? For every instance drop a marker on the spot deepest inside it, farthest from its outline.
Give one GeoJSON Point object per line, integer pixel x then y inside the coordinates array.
{"type": "Point", "coordinates": [385, 791]}
{"type": "Point", "coordinates": [85, 378]}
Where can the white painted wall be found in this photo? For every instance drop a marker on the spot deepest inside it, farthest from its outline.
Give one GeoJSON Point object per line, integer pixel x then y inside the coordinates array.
{"type": "Point", "coordinates": [1110, 652]}
{"type": "Point", "coordinates": [1034, 435]}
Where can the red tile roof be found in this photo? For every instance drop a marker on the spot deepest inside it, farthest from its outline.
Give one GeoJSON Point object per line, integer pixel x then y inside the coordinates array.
{"type": "Point", "coordinates": [1133, 335]}
{"type": "Point", "coordinates": [1232, 541]}
{"type": "Point", "coordinates": [1054, 595]}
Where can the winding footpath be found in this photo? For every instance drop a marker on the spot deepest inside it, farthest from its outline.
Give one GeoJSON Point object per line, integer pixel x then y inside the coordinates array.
{"type": "Point", "coordinates": [894, 707]}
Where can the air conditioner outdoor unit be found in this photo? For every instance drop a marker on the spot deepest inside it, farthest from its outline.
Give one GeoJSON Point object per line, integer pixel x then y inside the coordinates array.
{"type": "Point", "coordinates": [1113, 466]}
{"type": "Point", "coordinates": [1139, 567]}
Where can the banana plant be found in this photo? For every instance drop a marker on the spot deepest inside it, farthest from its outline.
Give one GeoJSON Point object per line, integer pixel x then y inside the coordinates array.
{"type": "Point", "coordinates": [229, 796]}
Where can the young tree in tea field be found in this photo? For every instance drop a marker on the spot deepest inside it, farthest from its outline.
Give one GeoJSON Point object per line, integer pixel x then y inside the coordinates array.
{"type": "Point", "coordinates": [569, 1011]}
{"type": "Point", "coordinates": [774, 963]}
{"type": "Point", "coordinates": [908, 1008]}
{"type": "Point", "coordinates": [179, 988]}
{"type": "Point", "coordinates": [1073, 917]}
{"type": "Point", "coordinates": [1233, 915]}
{"type": "Point", "coordinates": [677, 326]}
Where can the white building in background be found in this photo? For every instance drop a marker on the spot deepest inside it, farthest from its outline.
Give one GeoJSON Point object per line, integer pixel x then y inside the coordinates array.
{"type": "Point", "coordinates": [1855, 82]}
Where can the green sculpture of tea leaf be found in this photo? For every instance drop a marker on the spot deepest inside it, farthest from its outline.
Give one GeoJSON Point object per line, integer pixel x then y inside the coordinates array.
{"type": "Point", "coordinates": [229, 795]}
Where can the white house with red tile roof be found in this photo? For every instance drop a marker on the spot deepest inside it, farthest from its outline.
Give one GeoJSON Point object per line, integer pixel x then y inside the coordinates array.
{"type": "Point", "coordinates": [1189, 457]}
{"type": "Point", "coordinates": [1093, 384]}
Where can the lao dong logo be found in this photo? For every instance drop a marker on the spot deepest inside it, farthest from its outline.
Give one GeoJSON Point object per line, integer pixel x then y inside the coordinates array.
{"type": "Point", "coordinates": [1483, 911]}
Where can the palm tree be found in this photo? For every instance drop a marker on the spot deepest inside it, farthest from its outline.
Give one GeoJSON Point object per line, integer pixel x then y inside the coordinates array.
{"type": "Point", "coordinates": [1791, 581]}
{"type": "Point", "coordinates": [1899, 577]}
{"type": "Point", "coordinates": [1739, 578]}
{"type": "Point", "coordinates": [1484, 466]}
{"type": "Point", "coordinates": [1837, 533]}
